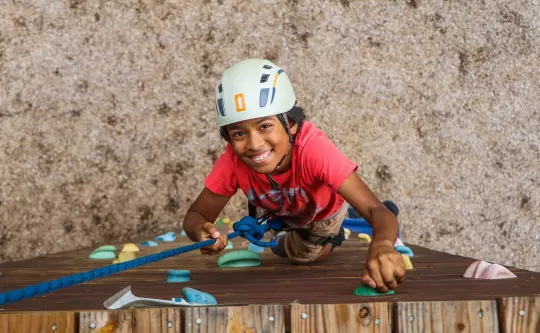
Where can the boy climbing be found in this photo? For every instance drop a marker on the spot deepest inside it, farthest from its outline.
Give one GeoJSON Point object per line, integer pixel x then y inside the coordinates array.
{"type": "Point", "coordinates": [287, 166]}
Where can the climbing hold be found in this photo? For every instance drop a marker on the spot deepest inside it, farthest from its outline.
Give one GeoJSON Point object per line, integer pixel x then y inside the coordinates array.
{"type": "Point", "coordinates": [404, 250]}
{"type": "Point", "coordinates": [106, 248]}
{"type": "Point", "coordinates": [183, 233]}
{"type": "Point", "coordinates": [168, 237]}
{"type": "Point", "coordinates": [116, 261]}
{"type": "Point", "coordinates": [226, 220]}
{"type": "Point", "coordinates": [103, 252]}
{"type": "Point", "coordinates": [239, 258]}
{"type": "Point", "coordinates": [407, 260]}
{"type": "Point", "coordinates": [364, 238]}
{"type": "Point", "coordinates": [398, 243]}
{"type": "Point", "coordinates": [149, 243]}
{"type": "Point", "coordinates": [130, 247]}
{"type": "Point", "coordinates": [178, 275]}
{"type": "Point", "coordinates": [218, 222]}
{"type": "Point", "coordinates": [484, 270]}
{"type": "Point", "coordinates": [391, 206]}
{"type": "Point", "coordinates": [126, 256]}
{"type": "Point", "coordinates": [347, 233]}
{"type": "Point", "coordinates": [102, 255]}
{"type": "Point", "coordinates": [368, 291]}
{"type": "Point", "coordinates": [229, 245]}
{"type": "Point", "coordinates": [255, 248]}
{"type": "Point", "coordinates": [195, 296]}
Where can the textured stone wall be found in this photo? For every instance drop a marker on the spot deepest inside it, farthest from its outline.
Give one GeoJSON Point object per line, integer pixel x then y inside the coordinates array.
{"type": "Point", "coordinates": [107, 129]}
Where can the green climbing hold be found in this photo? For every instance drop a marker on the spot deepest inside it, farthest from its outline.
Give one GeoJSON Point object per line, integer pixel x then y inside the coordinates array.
{"type": "Point", "coordinates": [103, 252]}
{"type": "Point", "coordinates": [106, 248]}
{"type": "Point", "coordinates": [240, 258]}
{"type": "Point", "coordinates": [368, 291]}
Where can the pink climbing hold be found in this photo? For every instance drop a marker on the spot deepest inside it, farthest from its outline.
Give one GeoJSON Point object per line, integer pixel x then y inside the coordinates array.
{"type": "Point", "coordinates": [488, 271]}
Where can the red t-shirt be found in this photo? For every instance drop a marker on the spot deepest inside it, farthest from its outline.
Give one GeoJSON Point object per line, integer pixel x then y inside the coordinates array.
{"type": "Point", "coordinates": [307, 191]}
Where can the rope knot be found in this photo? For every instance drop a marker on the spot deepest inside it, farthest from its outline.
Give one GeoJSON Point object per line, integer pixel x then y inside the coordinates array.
{"type": "Point", "coordinates": [252, 231]}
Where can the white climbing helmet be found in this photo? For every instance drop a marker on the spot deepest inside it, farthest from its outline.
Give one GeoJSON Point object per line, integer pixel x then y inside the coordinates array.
{"type": "Point", "coordinates": [252, 88]}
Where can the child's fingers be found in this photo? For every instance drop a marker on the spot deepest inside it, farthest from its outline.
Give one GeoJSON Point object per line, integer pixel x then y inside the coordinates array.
{"type": "Point", "coordinates": [375, 273]}
{"type": "Point", "coordinates": [212, 230]}
{"type": "Point", "coordinates": [366, 280]}
{"type": "Point", "coordinates": [400, 271]}
{"type": "Point", "coordinates": [387, 275]}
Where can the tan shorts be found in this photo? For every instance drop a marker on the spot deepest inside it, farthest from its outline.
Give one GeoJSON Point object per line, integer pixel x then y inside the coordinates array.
{"type": "Point", "coordinates": [300, 251]}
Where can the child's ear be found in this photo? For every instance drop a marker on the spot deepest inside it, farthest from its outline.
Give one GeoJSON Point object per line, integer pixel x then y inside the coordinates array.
{"type": "Point", "coordinates": [294, 128]}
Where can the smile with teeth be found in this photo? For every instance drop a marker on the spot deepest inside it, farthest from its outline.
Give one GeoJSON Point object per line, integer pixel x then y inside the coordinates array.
{"type": "Point", "coordinates": [261, 157]}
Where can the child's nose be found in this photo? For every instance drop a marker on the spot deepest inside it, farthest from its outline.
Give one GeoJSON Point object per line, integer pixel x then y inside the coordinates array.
{"type": "Point", "coordinates": [255, 141]}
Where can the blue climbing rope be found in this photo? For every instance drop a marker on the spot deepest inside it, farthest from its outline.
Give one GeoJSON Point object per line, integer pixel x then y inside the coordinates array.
{"type": "Point", "coordinates": [248, 227]}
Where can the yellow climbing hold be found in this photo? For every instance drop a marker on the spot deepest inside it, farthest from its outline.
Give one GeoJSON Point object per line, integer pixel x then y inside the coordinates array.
{"type": "Point", "coordinates": [130, 247]}
{"type": "Point", "coordinates": [364, 238]}
{"type": "Point", "coordinates": [408, 263]}
{"type": "Point", "coordinates": [226, 220]}
{"type": "Point", "coordinates": [125, 256]}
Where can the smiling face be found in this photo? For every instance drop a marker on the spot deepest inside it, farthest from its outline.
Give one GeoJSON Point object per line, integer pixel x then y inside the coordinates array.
{"type": "Point", "coordinates": [261, 143]}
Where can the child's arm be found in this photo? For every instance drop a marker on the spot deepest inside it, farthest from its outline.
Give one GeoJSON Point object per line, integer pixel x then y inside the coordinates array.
{"type": "Point", "coordinates": [199, 220]}
{"type": "Point", "coordinates": [383, 262]}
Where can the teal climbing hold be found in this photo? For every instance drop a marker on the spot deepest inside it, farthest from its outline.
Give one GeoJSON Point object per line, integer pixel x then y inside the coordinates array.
{"type": "Point", "coordinates": [103, 252]}
{"type": "Point", "coordinates": [102, 255]}
{"type": "Point", "coordinates": [368, 291]}
{"type": "Point", "coordinates": [239, 258]}
{"type": "Point", "coordinates": [404, 250]}
{"type": "Point", "coordinates": [183, 233]}
{"type": "Point", "coordinates": [195, 296]}
{"type": "Point", "coordinates": [168, 237]}
{"type": "Point", "coordinates": [255, 248]}
{"type": "Point", "coordinates": [178, 275]}
{"type": "Point", "coordinates": [229, 245]}
{"type": "Point", "coordinates": [149, 243]}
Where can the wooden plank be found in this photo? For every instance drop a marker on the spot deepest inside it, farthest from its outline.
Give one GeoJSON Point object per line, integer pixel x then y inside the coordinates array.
{"type": "Point", "coordinates": [245, 319]}
{"type": "Point", "coordinates": [330, 318]}
{"type": "Point", "coordinates": [519, 314]}
{"type": "Point", "coordinates": [117, 321]}
{"type": "Point", "coordinates": [55, 322]}
{"type": "Point", "coordinates": [157, 320]}
{"type": "Point", "coordinates": [445, 317]}
{"type": "Point", "coordinates": [437, 277]}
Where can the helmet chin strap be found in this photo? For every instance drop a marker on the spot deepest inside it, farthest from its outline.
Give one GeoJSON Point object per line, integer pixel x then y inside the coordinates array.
{"type": "Point", "coordinates": [285, 122]}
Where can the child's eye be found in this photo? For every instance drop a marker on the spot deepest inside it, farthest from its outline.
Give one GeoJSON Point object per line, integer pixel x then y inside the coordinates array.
{"type": "Point", "coordinates": [237, 134]}
{"type": "Point", "coordinates": [265, 126]}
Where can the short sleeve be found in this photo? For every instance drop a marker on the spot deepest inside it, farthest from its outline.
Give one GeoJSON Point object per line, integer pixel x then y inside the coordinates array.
{"type": "Point", "coordinates": [325, 163]}
{"type": "Point", "coordinates": [222, 178]}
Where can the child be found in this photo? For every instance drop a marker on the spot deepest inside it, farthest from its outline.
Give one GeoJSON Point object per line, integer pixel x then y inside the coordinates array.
{"type": "Point", "coordinates": [285, 165]}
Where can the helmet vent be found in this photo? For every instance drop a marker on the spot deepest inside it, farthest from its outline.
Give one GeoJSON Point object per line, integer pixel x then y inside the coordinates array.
{"type": "Point", "coordinates": [263, 98]}
{"type": "Point", "coordinates": [267, 67]}
{"type": "Point", "coordinates": [264, 78]}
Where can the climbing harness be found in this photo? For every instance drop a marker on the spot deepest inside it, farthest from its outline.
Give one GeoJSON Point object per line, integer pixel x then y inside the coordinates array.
{"type": "Point", "coordinates": [248, 227]}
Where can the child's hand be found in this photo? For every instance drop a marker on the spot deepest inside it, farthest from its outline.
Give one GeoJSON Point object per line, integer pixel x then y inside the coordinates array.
{"type": "Point", "coordinates": [385, 268]}
{"type": "Point", "coordinates": [209, 231]}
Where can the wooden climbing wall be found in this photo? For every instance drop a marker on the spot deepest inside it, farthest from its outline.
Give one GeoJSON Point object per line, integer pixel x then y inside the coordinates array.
{"type": "Point", "coordinates": [274, 297]}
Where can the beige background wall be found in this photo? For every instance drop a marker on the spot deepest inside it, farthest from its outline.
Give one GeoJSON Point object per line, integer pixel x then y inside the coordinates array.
{"type": "Point", "coordinates": [106, 112]}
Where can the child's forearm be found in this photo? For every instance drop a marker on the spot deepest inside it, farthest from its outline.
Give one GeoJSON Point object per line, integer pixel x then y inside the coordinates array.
{"type": "Point", "coordinates": [192, 222]}
{"type": "Point", "coordinates": [385, 225]}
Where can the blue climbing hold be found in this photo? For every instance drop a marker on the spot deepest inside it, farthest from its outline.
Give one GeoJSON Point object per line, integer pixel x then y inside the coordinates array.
{"type": "Point", "coordinates": [183, 233]}
{"type": "Point", "coordinates": [255, 248]}
{"type": "Point", "coordinates": [194, 296]}
{"type": "Point", "coordinates": [404, 250]}
{"type": "Point", "coordinates": [149, 243]}
{"type": "Point", "coordinates": [178, 275]}
{"type": "Point", "coordinates": [168, 237]}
